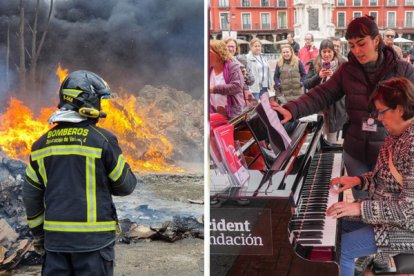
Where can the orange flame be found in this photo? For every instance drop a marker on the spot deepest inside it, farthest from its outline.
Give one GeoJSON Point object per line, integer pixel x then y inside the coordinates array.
{"type": "Point", "coordinates": [18, 129]}
{"type": "Point", "coordinates": [61, 73]}
{"type": "Point", "coordinates": [145, 148]}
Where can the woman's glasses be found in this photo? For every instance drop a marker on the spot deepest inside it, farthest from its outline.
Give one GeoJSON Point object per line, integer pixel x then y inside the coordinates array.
{"type": "Point", "coordinates": [376, 113]}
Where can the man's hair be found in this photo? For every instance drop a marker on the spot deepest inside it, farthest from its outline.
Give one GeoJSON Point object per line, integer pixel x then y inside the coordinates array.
{"type": "Point", "coordinates": [311, 35]}
{"type": "Point", "coordinates": [335, 38]}
{"type": "Point", "coordinates": [389, 30]}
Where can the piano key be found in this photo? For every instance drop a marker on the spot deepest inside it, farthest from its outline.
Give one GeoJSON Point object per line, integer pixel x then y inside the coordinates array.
{"type": "Point", "coordinates": [315, 198]}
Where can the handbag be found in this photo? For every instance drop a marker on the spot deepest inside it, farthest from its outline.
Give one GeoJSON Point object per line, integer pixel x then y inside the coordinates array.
{"type": "Point", "coordinates": [393, 170]}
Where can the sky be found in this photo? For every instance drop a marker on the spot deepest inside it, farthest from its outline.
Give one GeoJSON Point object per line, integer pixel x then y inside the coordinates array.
{"type": "Point", "coordinates": [130, 43]}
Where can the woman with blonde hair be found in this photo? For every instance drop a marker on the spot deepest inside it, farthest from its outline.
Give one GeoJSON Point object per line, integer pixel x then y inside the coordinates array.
{"type": "Point", "coordinates": [226, 81]}
{"type": "Point", "coordinates": [289, 75]}
{"type": "Point", "coordinates": [260, 69]}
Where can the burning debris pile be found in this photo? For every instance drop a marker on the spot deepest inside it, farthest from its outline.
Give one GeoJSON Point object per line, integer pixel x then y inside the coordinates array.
{"type": "Point", "coordinates": [159, 130]}
{"type": "Point", "coordinates": [178, 116]}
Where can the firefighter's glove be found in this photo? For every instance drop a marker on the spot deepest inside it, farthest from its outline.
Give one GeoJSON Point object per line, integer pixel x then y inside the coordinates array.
{"type": "Point", "coordinates": [38, 244]}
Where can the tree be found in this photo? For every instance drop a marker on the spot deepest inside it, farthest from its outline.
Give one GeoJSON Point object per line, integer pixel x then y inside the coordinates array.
{"type": "Point", "coordinates": [36, 48]}
{"type": "Point", "coordinates": [8, 57]}
{"type": "Point", "coordinates": [22, 64]}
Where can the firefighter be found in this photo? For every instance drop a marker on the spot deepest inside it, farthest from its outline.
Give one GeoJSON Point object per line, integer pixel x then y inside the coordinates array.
{"type": "Point", "coordinates": [74, 169]}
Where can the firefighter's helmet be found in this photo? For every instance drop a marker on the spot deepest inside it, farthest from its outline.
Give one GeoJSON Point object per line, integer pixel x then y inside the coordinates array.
{"type": "Point", "coordinates": [82, 91]}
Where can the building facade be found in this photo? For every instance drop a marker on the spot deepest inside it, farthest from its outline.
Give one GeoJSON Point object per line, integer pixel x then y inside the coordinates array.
{"type": "Point", "coordinates": [266, 19]}
{"type": "Point", "coordinates": [273, 19]}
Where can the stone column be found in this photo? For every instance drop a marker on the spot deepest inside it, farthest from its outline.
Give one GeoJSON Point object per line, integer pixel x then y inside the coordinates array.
{"type": "Point", "coordinates": [315, 17]}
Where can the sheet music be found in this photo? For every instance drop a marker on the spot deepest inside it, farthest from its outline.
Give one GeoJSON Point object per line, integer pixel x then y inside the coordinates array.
{"type": "Point", "coordinates": [274, 119]}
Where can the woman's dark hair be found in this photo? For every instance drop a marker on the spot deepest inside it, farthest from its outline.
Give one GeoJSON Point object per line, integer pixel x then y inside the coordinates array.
{"type": "Point", "coordinates": [326, 43]}
{"type": "Point", "coordinates": [364, 26]}
{"type": "Point", "coordinates": [396, 91]}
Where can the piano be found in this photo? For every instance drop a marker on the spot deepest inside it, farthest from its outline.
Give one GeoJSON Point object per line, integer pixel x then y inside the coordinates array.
{"type": "Point", "coordinates": [276, 224]}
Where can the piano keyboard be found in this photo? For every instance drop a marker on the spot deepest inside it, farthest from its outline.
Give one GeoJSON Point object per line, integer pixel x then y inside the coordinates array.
{"type": "Point", "coordinates": [309, 225]}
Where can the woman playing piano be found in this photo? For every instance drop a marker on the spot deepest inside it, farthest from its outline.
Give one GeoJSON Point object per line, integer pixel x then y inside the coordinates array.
{"type": "Point", "coordinates": [386, 225]}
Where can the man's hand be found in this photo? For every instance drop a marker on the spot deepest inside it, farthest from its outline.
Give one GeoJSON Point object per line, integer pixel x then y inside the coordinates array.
{"type": "Point", "coordinates": [287, 116]}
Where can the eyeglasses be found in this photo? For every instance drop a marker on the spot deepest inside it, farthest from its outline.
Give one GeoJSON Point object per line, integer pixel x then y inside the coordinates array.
{"type": "Point", "coordinates": [390, 36]}
{"type": "Point", "coordinates": [376, 114]}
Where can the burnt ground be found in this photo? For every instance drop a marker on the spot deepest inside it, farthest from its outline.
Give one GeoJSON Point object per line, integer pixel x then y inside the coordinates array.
{"type": "Point", "coordinates": [182, 257]}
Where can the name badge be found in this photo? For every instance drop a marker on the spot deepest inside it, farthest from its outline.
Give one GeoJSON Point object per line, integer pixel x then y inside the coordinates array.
{"type": "Point", "coordinates": [369, 124]}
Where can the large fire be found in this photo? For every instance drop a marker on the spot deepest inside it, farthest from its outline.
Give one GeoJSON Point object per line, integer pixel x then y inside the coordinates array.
{"type": "Point", "coordinates": [19, 128]}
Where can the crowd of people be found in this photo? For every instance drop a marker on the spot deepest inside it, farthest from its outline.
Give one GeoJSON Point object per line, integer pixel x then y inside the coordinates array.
{"type": "Point", "coordinates": [369, 97]}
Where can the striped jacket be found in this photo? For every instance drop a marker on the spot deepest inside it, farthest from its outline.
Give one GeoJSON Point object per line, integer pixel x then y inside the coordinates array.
{"type": "Point", "coordinates": [390, 207]}
{"type": "Point", "coordinates": [73, 171]}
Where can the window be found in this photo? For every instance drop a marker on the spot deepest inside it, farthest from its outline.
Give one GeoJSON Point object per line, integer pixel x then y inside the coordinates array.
{"type": "Point", "coordinates": [357, 3]}
{"type": "Point", "coordinates": [265, 20]}
{"type": "Point", "coordinates": [282, 20]}
{"type": "Point", "coordinates": [224, 21]}
{"type": "Point", "coordinates": [245, 3]}
{"type": "Point", "coordinates": [357, 14]}
{"type": "Point", "coordinates": [373, 2]}
{"type": "Point", "coordinates": [409, 2]}
{"type": "Point", "coordinates": [341, 20]}
{"type": "Point", "coordinates": [375, 15]}
{"type": "Point", "coordinates": [391, 2]}
{"type": "Point", "coordinates": [391, 18]}
{"type": "Point", "coordinates": [341, 3]}
{"type": "Point", "coordinates": [246, 21]}
{"type": "Point", "coordinates": [265, 3]}
{"type": "Point", "coordinates": [409, 19]}
{"type": "Point", "coordinates": [281, 3]}
{"type": "Point", "coordinates": [223, 3]}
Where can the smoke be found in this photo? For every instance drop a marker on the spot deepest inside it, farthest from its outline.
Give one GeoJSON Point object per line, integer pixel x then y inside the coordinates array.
{"type": "Point", "coordinates": [130, 43]}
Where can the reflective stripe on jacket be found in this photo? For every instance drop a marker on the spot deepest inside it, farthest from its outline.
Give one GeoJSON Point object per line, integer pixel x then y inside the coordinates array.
{"type": "Point", "coordinates": [73, 171]}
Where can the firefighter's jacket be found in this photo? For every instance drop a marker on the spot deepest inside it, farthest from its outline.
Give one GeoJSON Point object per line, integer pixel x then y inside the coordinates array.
{"type": "Point", "coordinates": [74, 169]}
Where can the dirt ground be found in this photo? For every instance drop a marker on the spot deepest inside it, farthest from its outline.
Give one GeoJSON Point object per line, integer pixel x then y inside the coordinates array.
{"type": "Point", "coordinates": [183, 257]}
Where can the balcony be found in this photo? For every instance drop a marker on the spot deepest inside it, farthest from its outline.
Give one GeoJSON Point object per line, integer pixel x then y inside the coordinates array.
{"type": "Point", "coordinates": [263, 4]}
{"type": "Point", "coordinates": [266, 26]}
{"type": "Point", "coordinates": [246, 27]}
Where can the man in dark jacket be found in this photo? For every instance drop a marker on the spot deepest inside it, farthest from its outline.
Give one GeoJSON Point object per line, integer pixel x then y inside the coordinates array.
{"type": "Point", "coordinates": [74, 169]}
{"type": "Point", "coordinates": [295, 46]}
